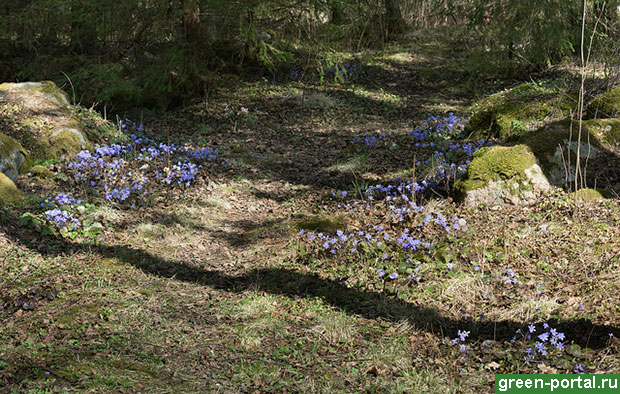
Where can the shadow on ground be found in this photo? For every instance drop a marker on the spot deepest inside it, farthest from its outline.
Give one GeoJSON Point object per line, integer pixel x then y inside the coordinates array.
{"type": "Point", "coordinates": [295, 284]}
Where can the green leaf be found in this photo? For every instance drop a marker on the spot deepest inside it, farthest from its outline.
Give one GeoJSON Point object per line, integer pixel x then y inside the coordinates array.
{"type": "Point", "coordinates": [46, 230]}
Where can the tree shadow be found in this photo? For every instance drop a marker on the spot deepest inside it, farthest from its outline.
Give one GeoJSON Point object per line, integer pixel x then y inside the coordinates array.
{"type": "Point", "coordinates": [295, 284]}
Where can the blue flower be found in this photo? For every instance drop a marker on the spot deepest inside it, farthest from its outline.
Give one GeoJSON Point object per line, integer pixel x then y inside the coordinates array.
{"type": "Point", "coordinates": [540, 347]}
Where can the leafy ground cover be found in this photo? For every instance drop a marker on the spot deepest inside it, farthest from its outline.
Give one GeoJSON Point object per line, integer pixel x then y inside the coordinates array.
{"type": "Point", "coordinates": [298, 237]}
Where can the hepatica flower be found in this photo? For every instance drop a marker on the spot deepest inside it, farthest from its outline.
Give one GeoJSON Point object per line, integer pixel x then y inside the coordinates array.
{"type": "Point", "coordinates": [123, 173]}
{"type": "Point", "coordinates": [62, 218]}
{"type": "Point", "coordinates": [510, 278]}
{"type": "Point", "coordinates": [540, 347]}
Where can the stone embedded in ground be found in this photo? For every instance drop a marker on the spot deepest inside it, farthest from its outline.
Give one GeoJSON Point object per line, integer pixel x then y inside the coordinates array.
{"type": "Point", "coordinates": [41, 119]}
{"type": "Point", "coordinates": [545, 157]}
{"type": "Point", "coordinates": [606, 105]}
{"type": "Point", "coordinates": [12, 157]}
{"type": "Point", "coordinates": [42, 172]}
{"type": "Point", "coordinates": [557, 144]}
{"type": "Point", "coordinates": [590, 195]}
{"type": "Point", "coordinates": [518, 110]}
{"type": "Point", "coordinates": [9, 194]}
{"type": "Point", "coordinates": [499, 175]}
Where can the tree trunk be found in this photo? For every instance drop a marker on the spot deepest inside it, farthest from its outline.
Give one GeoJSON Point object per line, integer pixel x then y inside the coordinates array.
{"type": "Point", "coordinates": [336, 15]}
{"type": "Point", "coordinates": [191, 21]}
{"type": "Point", "coordinates": [393, 18]}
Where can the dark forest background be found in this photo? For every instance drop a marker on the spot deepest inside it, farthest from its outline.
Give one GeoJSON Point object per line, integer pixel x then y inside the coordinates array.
{"type": "Point", "coordinates": [156, 53]}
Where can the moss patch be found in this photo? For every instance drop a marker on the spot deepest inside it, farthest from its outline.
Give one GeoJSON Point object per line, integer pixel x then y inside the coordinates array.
{"type": "Point", "coordinates": [497, 163]}
{"type": "Point", "coordinates": [8, 147]}
{"type": "Point", "coordinates": [66, 142]}
{"type": "Point", "coordinates": [514, 111]}
{"type": "Point", "coordinates": [607, 131]}
{"type": "Point", "coordinates": [329, 224]}
{"type": "Point", "coordinates": [9, 194]}
{"type": "Point", "coordinates": [607, 105]}
{"type": "Point", "coordinates": [42, 172]}
{"type": "Point", "coordinates": [590, 195]}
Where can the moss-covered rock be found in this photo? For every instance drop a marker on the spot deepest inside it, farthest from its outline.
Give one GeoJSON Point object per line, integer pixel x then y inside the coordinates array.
{"type": "Point", "coordinates": [67, 141]}
{"type": "Point", "coordinates": [606, 131]}
{"type": "Point", "coordinates": [549, 154]}
{"type": "Point", "coordinates": [42, 172]}
{"type": "Point", "coordinates": [607, 105]}
{"type": "Point", "coordinates": [556, 146]}
{"type": "Point", "coordinates": [13, 157]}
{"type": "Point", "coordinates": [46, 125]}
{"type": "Point", "coordinates": [499, 175]}
{"type": "Point", "coordinates": [590, 195]}
{"type": "Point", "coordinates": [47, 90]}
{"type": "Point", "coordinates": [517, 110]}
{"type": "Point", "coordinates": [9, 194]}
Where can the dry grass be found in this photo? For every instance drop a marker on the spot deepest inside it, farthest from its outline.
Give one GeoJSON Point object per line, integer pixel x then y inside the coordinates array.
{"type": "Point", "coordinates": [336, 327]}
{"type": "Point", "coordinates": [529, 310]}
{"type": "Point", "coordinates": [464, 291]}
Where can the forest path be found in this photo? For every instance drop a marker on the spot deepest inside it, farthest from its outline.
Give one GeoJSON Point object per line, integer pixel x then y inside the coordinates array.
{"type": "Point", "coordinates": [289, 146]}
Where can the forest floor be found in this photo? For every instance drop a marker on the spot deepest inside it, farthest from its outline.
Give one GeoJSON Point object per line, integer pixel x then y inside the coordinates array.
{"type": "Point", "coordinates": [220, 290]}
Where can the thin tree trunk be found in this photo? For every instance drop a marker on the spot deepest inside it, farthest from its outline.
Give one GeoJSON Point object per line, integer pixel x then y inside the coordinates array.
{"type": "Point", "coordinates": [191, 21]}
{"type": "Point", "coordinates": [393, 18]}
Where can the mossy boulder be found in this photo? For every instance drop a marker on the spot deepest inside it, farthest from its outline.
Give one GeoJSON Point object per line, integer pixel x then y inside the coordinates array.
{"type": "Point", "coordinates": [591, 195]}
{"type": "Point", "coordinates": [514, 111]}
{"type": "Point", "coordinates": [13, 157]}
{"type": "Point", "coordinates": [45, 92]}
{"type": "Point", "coordinates": [498, 175]}
{"type": "Point", "coordinates": [556, 145]}
{"type": "Point", "coordinates": [67, 141]}
{"type": "Point", "coordinates": [606, 131]}
{"type": "Point", "coordinates": [42, 172]}
{"type": "Point", "coordinates": [543, 157]}
{"type": "Point", "coordinates": [9, 194]}
{"type": "Point", "coordinates": [606, 105]}
{"type": "Point", "coordinates": [45, 123]}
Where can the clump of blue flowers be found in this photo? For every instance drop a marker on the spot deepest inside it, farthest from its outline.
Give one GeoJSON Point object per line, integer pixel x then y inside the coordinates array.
{"type": "Point", "coordinates": [543, 343]}
{"type": "Point", "coordinates": [460, 340]}
{"type": "Point", "coordinates": [125, 173]}
{"type": "Point", "coordinates": [61, 212]}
